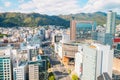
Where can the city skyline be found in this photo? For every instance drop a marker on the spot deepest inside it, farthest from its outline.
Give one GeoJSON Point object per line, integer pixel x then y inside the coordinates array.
{"type": "Point", "coordinates": [53, 7]}
{"type": "Point", "coordinates": [83, 51]}
{"type": "Point", "coordinates": [59, 40]}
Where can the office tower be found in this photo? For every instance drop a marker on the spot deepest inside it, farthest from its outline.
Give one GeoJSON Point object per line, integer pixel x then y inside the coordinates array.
{"type": "Point", "coordinates": [107, 38]}
{"type": "Point", "coordinates": [58, 37]}
{"type": "Point", "coordinates": [32, 52]}
{"type": "Point", "coordinates": [5, 68]}
{"type": "Point", "coordinates": [37, 68]}
{"type": "Point", "coordinates": [42, 33]}
{"type": "Point", "coordinates": [111, 16]}
{"type": "Point", "coordinates": [20, 71]}
{"type": "Point", "coordinates": [81, 29]}
{"type": "Point", "coordinates": [33, 71]}
{"type": "Point", "coordinates": [72, 30]}
{"type": "Point", "coordinates": [93, 60]}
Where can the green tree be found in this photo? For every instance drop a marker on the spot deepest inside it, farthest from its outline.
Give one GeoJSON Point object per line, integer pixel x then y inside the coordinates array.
{"type": "Point", "coordinates": [75, 77]}
{"type": "Point", "coordinates": [69, 71]}
{"type": "Point", "coordinates": [51, 76]}
{"type": "Point", "coordinates": [48, 63]}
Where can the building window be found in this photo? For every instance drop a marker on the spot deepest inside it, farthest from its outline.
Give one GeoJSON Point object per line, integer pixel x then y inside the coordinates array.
{"type": "Point", "coordinates": [65, 53]}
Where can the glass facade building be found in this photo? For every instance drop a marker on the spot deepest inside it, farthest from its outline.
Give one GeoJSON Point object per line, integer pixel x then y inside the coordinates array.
{"type": "Point", "coordinates": [111, 21]}
{"type": "Point", "coordinates": [32, 53]}
{"type": "Point", "coordinates": [38, 68]}
{"type": "Point", "coordinates": [84, 30]}
{"type": "Point", "coordinates": [5, 68]}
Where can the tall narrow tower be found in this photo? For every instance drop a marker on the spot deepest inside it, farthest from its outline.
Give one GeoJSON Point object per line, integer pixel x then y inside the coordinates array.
{"type": "Point", "coordinates": [111, 16]}
{"type": "Point", "coordinates": [73, 29]}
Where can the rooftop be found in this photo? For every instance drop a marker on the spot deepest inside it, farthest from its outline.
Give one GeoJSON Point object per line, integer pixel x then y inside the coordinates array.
{"type": "Point", "coordinates": [116, 72]}
{"type": "Point", "coordinates": [23, 63]}
{"type": "Point", "coordinates": [5, 57]}
{"type": "Point", "coordinates": [116, 65]}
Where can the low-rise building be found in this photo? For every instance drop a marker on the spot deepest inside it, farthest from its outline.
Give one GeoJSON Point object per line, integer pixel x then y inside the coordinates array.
{"type": "Point", "coordinates": [66, 51]}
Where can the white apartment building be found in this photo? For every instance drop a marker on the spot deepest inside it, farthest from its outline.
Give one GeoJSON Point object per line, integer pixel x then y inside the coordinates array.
{"type": "Point", "coordinates": [33, 71]}
{"type": "Point", "coordinates": [19, 72]}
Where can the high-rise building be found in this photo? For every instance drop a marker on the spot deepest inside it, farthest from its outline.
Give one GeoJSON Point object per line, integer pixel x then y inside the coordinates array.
{"type": "Point", "coordinates": [108, 36]}
{"type": "Point", "coordinates": [56, 37]}
{"type": "Point", "coordinates": [111, 16]}
{"type": "Point", "coordinates": [105, 38]}
{"type": "Point", "coordinates": [81, 29]}
{"type": "Point", "coordinates": [20, 71]}
{"type": "Point", "coordinates": [5, 68]}
{"type": "Point", "coordinates": [93, 60]}
{"type": "Point", "coordinates": [37, 68]}
{"type": "Point", "coordinates": [73, 30]}
{"type": "Point", "coordinates": [33, 71]}
{"type": "Point", "coordinates": [42, 33]}
{"type": "Point", "coordinates": [32, 53]}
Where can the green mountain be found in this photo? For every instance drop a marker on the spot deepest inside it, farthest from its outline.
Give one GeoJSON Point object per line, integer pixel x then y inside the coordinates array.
{"type": "Point", "coordinates": [36, 19]}
{"type": "Point", "coordinates": [99, 17]}
{"type": "Point", "coordinates": [32, 19]}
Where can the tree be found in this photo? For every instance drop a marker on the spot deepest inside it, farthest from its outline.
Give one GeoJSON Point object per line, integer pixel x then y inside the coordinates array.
{"type": "Point", "coordinates": [75, 77]}
{"type": "Point", "coordinates": [51, 76]}
{"type": "Point", "coordinates": [48, 64]}
{"type": "Point", "coordinates": [69, 71]}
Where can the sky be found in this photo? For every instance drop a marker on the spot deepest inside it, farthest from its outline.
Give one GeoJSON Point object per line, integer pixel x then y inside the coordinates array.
{"type": "Point", "coordinates": [57, 7]}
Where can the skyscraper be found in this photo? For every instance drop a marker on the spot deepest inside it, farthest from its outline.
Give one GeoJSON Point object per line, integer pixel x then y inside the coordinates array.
{"type": "Point", "coordinates": [72, 30]}
{"type": "Point", "coordinates": [111, 16]}
{"type": "Point", "coordinates": [107, 38]}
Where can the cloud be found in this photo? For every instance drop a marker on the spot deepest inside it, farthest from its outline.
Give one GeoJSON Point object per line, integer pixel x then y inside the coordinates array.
{"type": "Point", "coordinates": [27, 6]}
{"type": "Point", "coordinates": [51, 6]}
{"type": "Point", "coordinates": [7, 4]}
{"type": "Point", "coordinates": [20, 1]}
{"type": "Point", "coordinates": [101, 5]}
{"type": "Point", "coordinates": [56, 7]}
{"type": "Point", "coordinates": [1, 8]}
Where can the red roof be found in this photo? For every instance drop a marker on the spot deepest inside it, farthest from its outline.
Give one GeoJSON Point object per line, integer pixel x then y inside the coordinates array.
{"type": "Point", "coordinates": [116, 40]}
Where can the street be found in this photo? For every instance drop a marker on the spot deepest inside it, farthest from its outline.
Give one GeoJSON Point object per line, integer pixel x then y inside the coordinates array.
{"type": "Point", "coordinates": [58, 69]}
